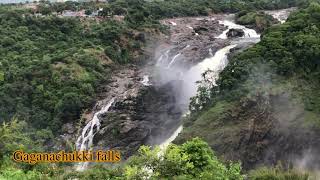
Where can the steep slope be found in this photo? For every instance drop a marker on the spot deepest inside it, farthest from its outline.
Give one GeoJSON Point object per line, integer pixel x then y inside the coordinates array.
{"type": "Point", "coordinates": [265, 108]}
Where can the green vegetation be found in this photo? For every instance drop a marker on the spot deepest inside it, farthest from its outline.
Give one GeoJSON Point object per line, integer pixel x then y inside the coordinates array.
{"type": "Point", "coordinates": [277, 174]}
{"type": "Point", "coordinates": [19, 135]}
{"type": "Point", "coordinates": [275, 81]}
{"type": "Point", "coordinates": [256, 20]}
{"type": "Point", "coordinates": [288, 51]}
{"type": "Point", "coordinates": [193, 159]}
{"type": "Point", "coordinates": [51, 67]}
{"type": "Point", "coordinates": [158, 9]}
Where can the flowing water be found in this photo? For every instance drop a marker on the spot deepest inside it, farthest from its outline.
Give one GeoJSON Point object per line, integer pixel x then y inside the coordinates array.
{"type": "Point", "coordinates": [173, 60]}
{"type": "Point", "coordinates": [281, 15]}
{"type": "Point", "coordinates": [146, 80]}
{"type": "Point", "coordinates": [216, 63]}
{"type": "Point", "coordinates": [85, 140]}
{"type": "Point", "coordinates": [248, 33]}
{"type": "Point", "coordinates": [219, 60]}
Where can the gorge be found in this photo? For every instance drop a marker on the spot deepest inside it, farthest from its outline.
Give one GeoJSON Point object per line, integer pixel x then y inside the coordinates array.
{"type": "Point", "coordinates": [131, 119]}
{"type": "Point", "coordinates": [182, 89]}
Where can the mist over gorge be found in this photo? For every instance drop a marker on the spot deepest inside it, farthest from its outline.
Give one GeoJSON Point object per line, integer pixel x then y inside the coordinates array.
{"type": "Point", "coordinates": [183, 89]}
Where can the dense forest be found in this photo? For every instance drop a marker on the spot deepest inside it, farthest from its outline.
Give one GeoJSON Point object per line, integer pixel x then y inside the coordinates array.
{"type": "Point", "coordinates": [51, 69]}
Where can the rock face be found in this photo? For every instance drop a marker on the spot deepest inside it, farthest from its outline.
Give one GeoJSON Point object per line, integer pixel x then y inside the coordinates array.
{"type": "Point", "coordinates": [132, 120]}
{"type": "Point", "coordinates": [265, 130]}
{"type": "Point", "coordinates": [234, 33]}
{"type": "Point", "coordinates": [147, 114]}
{"type": "Point", "coordinates": [193, 38]}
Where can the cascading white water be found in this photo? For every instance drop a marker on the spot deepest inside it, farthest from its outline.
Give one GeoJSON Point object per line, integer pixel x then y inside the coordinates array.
{"type": "Point", "coordinates": [176, 56]}
{"type": "Point", "coordinates": [173, 60]}
{"type": "Point", "coordinates": [146, 80]}
{"type": "Point", "coordinates": [85, 140]}
{"type": "Point", "coordinates": [248, 33]}
{"type": "Point", "coordinates": [173, 23]}
{"type": "Point", "coordinates": [210, 52]}
{"type": "Point", "coordinates": [215, 63]}
{"type": "Point", "coordinates": [163, 58]}
{"type": "Point", "coordinates": [166, 143]}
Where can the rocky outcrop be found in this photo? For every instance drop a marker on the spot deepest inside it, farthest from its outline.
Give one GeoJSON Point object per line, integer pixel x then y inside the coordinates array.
{"type": "Point", "coordinates": [234, 33]}
{"type": "Point", "coordinates": [193, 38]}
{"type": "Point", "coordinates": [263, 130]}
{"type": "Point", "coordinates": [147, 114]}
{"type": "Point", "coordinates": [132, 121]}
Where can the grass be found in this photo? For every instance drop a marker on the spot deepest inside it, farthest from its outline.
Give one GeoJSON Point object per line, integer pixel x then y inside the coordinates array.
{"type": "Point", "coordinates": [277, 174]}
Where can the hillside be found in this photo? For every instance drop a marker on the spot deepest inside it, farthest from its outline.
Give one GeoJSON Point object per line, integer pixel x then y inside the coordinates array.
{"type": "Point", "coordinates": [265, 107]}
{"type": "Point", "coordinates": [118, 75]}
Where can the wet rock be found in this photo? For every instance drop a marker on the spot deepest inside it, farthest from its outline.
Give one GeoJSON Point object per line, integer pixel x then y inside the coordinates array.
{"type": "Point", "coordinates": [129, 85]}
{"type": "Point", "coordinates": [198, 34]}
{"type": "Point", "coordinates": [128, 126]}
{"type": "Point", "coordinates": [265, 130]}
{"type": "Point", "coordinates": [234, 33]}
{"type": "Point", "coordinates": [132, 120]}
{"type": "Point", "coordinates": [200, 29]}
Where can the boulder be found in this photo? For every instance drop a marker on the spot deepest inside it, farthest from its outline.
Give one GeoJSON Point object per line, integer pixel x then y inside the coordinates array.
{"type": "Point", "coordinates": [234, 33]}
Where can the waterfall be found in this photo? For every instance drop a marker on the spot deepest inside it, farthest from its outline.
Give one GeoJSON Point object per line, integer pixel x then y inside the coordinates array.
{"type": "Point", "coordinates": [248, 33]}
{"type": "Point", "coordinates": [216, 63]}
{"type": "Point", "coordinates": [85, 140]}
{"type": "Point", "coordinates": [210, 52]}
{"type": "Point", "coordinates": [166, 143]}
{"type": "Point", "coordinates": [173, 60]}
{"type": "Point", "coordinates": [176, 56]}
{"type": "Point", "coordinates": [164, 57]}
{"type": "Point", "coordinates": [160, 59]}
{"type": "Point", "coordinates": [146, 80]}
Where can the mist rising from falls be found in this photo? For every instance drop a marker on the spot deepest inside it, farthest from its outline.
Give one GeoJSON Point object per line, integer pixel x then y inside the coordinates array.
{"type": "Point", "coordinates": [175, 134]}
{"type": "Point", "coordinates": [216, 64]}
{"type": "Point", "coordinates": [85, 140]}
{"type": "Point", "coordinates": [189, 81]}
{"type": "Point", "coordinates": [170, 69]}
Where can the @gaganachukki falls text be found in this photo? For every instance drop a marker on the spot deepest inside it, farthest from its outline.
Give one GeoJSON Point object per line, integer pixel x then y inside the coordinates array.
{"type": "Point", "coordinates": [111, 156]}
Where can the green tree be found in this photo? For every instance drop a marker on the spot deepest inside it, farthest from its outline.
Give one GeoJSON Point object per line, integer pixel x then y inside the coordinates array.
{"type": "Point", "coordinates": [193, 159]}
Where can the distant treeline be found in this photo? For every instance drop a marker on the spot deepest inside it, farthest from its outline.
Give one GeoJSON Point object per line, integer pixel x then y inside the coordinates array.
{"type": "Point", "coordinates": [170, 8]}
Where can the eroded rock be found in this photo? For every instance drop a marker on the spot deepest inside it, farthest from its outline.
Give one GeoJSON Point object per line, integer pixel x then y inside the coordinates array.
{"type": "Point", "coordinates": [234, 33]}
